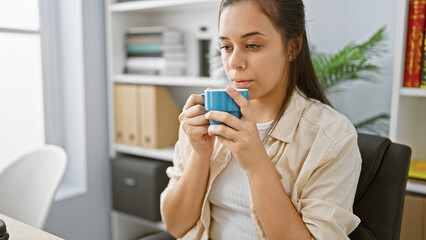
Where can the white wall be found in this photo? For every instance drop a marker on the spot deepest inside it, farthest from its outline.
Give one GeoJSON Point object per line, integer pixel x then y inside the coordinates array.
{"type": "Point", "coordinates": [331, 24]}
{"type": "Point", "coordinates": [87, 216]}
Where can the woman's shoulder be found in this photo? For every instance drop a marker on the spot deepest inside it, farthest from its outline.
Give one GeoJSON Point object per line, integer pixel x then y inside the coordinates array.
{"type": "Point", "coordinates": [309, 117]}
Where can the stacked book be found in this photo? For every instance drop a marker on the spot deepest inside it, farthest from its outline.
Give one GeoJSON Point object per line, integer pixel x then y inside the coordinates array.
{"type": "Point", "coordinates": [155, 51]}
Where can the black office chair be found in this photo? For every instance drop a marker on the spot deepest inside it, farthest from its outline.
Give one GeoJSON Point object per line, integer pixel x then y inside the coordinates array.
{"type": "Point", "coordinates": [379, 199]}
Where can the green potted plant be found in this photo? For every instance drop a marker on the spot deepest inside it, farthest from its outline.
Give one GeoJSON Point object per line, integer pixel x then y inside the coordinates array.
{"type": "Point", "coordinates": [353, 63]}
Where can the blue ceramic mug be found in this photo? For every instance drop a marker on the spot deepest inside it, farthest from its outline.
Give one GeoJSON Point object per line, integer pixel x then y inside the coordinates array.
{"type": "Point", "coordinates": [219, 100]}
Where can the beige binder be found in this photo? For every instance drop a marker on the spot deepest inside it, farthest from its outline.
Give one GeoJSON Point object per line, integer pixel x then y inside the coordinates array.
{"type": "Point", "coordinates": [157, 117]}
{"type": "Point", "coordinates": [125, 114]}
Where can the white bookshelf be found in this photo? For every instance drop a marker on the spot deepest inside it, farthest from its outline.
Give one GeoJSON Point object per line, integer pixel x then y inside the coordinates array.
{"type": "Point", "coordinates": [186, 15]}
{"type": "Point", "coordinates": [418, 188]}
{"type": "Point", "coordinates": [408, 107]}
{"type": "Point", "coordinates": [412, 92]}
{"type": "Point", "coordinates": [162, 5]}
{"type": "Point", "coordinates": [182, 81]}
{"type": "Point", "coordinates": [165, 154]}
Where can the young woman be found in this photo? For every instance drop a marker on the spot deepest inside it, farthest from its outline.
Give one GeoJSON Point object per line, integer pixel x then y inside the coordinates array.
{"type": "Point", "coordinates": [288, 169]}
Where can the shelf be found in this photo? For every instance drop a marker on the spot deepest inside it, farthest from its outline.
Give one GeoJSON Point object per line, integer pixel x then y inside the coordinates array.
{"type": "Point", "coordinates": [415, 187]}
{"type": "Point", "coordinates": [157, 5]}
{"type": "Point", "coordinates": [413, 92]}
{"type": "Point", "coordinates": [165, 154]}
{"type": "Point", "coordinates": [185, 81]}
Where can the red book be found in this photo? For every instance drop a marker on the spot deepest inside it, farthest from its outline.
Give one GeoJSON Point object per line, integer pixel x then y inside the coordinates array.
{"type": "Point", "coordinates": [415, 38]}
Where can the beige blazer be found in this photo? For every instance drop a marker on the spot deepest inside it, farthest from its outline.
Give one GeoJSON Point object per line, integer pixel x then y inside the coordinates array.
{"type": "Point", "coordinates": [314, 150]}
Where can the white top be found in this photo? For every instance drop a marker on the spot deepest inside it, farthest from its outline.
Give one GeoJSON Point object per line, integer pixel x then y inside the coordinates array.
{"type": "Point", "coordinates": [230, 203]}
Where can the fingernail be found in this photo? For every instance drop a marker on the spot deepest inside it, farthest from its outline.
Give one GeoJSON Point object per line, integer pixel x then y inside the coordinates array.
{"type": "Point", "coordinates": [231, 89]}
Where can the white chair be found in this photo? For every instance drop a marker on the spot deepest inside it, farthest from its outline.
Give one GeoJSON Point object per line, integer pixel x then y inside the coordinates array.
{"type": "Point", "coordinates": [28, 185]}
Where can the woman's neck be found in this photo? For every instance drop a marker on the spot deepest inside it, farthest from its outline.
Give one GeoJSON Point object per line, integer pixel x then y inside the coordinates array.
{"type": "Point", "coordinates": [265, 110]}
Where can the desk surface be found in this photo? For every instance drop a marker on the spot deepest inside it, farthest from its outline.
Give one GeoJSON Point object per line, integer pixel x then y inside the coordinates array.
{"type": "Point", "coordinates": [21, 231]}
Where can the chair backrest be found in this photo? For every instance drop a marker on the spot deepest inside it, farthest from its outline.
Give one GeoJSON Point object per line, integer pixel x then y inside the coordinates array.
{"type": "Point", "coordinates": [379, 199]}
{"type": "Point", "coordinates": [28, 185]}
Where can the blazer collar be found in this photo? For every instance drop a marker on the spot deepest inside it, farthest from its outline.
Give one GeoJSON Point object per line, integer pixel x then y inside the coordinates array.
{"type": "Point", "coordinates": [286, 126]}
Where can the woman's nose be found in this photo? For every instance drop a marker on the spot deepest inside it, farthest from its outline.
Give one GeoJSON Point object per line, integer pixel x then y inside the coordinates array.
{"type": "Point", "coordinates": [237, 59]}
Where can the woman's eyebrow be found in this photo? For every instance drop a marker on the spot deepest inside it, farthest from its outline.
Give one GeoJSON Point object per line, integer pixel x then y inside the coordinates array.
{"type": "Point", "coordinates": [244, 35]}
{"type": "Point", "coordinates": [251, 34]}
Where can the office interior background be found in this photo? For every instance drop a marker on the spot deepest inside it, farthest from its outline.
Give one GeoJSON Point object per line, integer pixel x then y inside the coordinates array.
{"type": "Point", "coordinates": [74, 113]}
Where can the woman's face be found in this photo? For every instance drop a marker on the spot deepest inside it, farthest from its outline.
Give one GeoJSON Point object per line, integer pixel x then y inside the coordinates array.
{"type": "Point", "coordinates": [253, 53]}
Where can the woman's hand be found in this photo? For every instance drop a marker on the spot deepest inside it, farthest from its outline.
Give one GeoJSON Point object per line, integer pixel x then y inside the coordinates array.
{"type": "Point", "coordinates": [241, 135]}
{"type": "Point", "coordinates": [195, 125]}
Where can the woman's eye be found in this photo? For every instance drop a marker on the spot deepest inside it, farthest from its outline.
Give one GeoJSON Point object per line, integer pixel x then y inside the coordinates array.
{"type": "Point", "coordinates": [253, 46]}
{"type": "Point", "coordinates": [226, 48]}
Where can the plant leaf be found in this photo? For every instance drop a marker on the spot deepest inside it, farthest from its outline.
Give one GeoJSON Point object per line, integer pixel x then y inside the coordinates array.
{"type": "Point", "coordinates": [374, 125]}
{"type": "Point", "coordinates": [350, 63]}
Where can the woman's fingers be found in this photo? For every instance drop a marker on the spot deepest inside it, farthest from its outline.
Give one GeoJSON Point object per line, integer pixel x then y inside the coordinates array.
{"type": "Point", "coordinates": [194, 99]}
{"type": "Point", "coordinates": [239, 99]}
{"type": "Point", "coordinates": [224, 117]}
{"type": "Point", "coordinates": [197, 131]}
{"type": "Point", "coordinates": [191, 112]}
{"type": "Point", "coordinates": [193, 118]}
{"type": "Point", "coordinates": [199, 120]}
{"type": "Point", "coordinates": [223, 131]}
{"type": "Point", "coordinates": [230, 130]}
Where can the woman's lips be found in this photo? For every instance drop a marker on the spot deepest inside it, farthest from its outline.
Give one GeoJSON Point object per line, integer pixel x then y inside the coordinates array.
{"type": "Point", "coordinates": [242, 83]}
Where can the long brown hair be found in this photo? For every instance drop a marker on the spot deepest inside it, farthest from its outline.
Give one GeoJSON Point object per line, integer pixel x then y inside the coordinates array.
{"type": "Point", "coordinates": [288, 16]}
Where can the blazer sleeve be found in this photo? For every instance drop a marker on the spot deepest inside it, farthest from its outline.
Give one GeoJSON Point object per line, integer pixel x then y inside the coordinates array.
{"type": "Point", "coordinates": [175, 172]}
{"type": "Point", "coordinates": [326, 199]}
